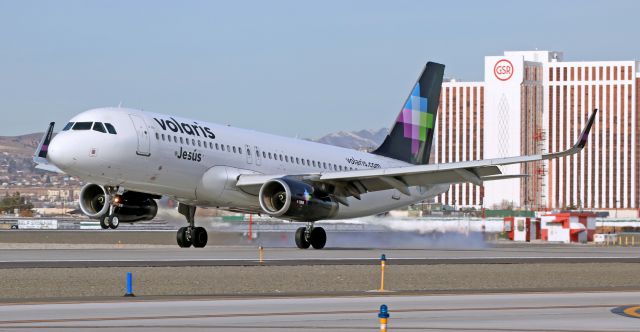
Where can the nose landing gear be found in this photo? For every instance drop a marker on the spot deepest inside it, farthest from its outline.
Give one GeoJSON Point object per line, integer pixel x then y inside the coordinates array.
{"type": "Point", "coordinates": [191, 235]}
{"type": "Point", "coordinates": [111, 220]}
{"type": "Point", "coordinates": [312, 236]}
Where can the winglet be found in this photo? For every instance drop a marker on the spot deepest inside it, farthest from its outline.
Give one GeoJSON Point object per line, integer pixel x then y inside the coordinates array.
{"type": "Point", "coordinates": [582, 140]}
{"type": "Point", "coordinates": [580, 143]}
{"type": "Point", "coordinates": [40, 156]}
{"type": "Point", "coordinates": [43, 147]}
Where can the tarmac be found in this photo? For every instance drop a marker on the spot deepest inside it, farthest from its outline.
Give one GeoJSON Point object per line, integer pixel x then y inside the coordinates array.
{"type": "Point", "coordinates": [564, 311]}
{"type": "Point", "coordinates": [75, 280]}
{"type": "Point", "coordinates": [170, 255]}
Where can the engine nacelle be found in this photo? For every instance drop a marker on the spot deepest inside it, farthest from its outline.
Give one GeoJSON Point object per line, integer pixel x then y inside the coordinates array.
{"type": "Point", "coordinates": [296, 200]}
{"type": "Point", "coordinates": [130, 206]}
{"type": "Point", "coordinates": [94, 201]}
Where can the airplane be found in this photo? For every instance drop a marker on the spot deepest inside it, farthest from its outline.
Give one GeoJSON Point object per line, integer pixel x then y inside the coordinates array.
{"type": "Point", "coordinates": [130, 158]}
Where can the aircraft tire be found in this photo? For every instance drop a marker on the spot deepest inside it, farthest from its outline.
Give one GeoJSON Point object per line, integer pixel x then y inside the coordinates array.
{"type": "Point", "coordinates": [199, 237]}
{"type": "Point", "coordinates": [104, 222]}
{"type": "Point", "coordinates": [318, 238]}
{"type": "Point", "coordinates": [114, 222]}
{"type": "Point", "coordinates": [181, 238]}
{"type": "Point", "coordinates": [301, 241]}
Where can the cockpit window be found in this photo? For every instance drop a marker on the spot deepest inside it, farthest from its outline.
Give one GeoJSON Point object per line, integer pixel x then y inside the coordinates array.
{"type": "Point", "coordinates": [110, 128]}
{"type": "Point", "coordinates": [97, 126]}
{"type": "Point", "coordinates": [68, 126]}
{"type": "Point", "coordinates": [82, 126]}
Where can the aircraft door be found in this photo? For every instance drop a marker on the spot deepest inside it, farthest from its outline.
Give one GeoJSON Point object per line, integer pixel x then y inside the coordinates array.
{"type": "Point", "coordinates": [143, 135]}
{"type": "Point", "coordinates": [248, 149]}
{"type": "Point", "coordinates": [258, 157]}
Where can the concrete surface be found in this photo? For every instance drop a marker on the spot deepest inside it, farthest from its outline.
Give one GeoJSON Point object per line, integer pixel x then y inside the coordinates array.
{"type": "Point", "coordinates": [479, 312]}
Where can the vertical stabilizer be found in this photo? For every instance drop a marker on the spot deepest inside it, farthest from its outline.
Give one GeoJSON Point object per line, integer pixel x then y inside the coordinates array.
{"type": "Point", "coordinates": [411, 136]}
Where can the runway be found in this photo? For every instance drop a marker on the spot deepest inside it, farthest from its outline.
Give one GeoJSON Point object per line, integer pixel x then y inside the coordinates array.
{"type": "Point", "coordinates": [479, 312]}
{"type": "Point", "coordinates": [167, 256]}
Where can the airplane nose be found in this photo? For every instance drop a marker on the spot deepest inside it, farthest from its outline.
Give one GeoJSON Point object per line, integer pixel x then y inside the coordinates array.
{"type": "Point", "coordinates": [59, 152]}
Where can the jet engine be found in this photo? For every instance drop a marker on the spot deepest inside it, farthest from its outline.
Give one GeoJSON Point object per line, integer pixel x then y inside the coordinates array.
{"type": "Point", "coordinates": [295, 200]}
{"type": "Point", "coordinates": [130, 206]}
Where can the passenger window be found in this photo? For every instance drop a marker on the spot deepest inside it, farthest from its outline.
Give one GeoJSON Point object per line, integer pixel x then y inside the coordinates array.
{"type": "Point", "coordinates": [199, 143]}
{"type": "Point", "coordinates": [248, 152]}
{"type": "Point", "coordinates": [314, 163]}
{"type": "Point", "coordinates": [162, 137]}
{"type": "Point", "coordinates": [239, 150]}
{"type": "Point", "coordinates": [228, 148]}
{"type": "Point", "coordinates": [280, 157]}
{"type": "Point", "coordinates": [68, 126]}
{"type": "Point", "coordinates": [324, 165]}
{"type": "Point", "coordinates": [82, 125]}
{"type": "Point", "coordinates": [97, 126]}
{"type": "Point", "coordinates": [269, 155]}
{"type": "Point", "coordinates": [217, 146]}
{"type": "Point", "coordinates": [175, 139]}
{"type": "Point", "coordinates": [286, 158]}
{"type": "Point", "coordinates": [222, 147]}
{"type": "Point", "coordinates": [181, 140]}
{"type": "Point", "coordinates": [193, 141]}
{"type": "Point", "coordinates": [264, 155]}
{"type": "Point", "coordinates": [302, 161]}
{"type": "Point", "coordinates": [234, 149]}
{"type": "Point", "coordinates": [210, 145]}
{"type": "Point", "coordinates": [297, 160]}
{"type": "Point", "coordinates": [110, 128]}
{"type": "Point", "coordinates": [157, 137]}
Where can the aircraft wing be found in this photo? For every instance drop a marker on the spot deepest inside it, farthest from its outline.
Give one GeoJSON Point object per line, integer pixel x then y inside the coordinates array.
{"type": "Point", "coordinates": [355, 183]}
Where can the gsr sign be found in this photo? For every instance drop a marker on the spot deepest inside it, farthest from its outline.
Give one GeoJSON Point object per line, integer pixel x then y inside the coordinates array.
{"type": "Point", "coordinates": [503, 70]}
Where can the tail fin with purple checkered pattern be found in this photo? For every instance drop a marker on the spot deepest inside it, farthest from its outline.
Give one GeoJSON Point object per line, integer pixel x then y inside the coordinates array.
{"type": "Point", "coordinates": [411, 136]}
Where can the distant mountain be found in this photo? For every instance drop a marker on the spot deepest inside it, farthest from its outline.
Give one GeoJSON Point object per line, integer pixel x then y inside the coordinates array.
{"type": "Point", "coordinates": [359, 140]}
{"type": "Point", "coordinates": [23, 145]}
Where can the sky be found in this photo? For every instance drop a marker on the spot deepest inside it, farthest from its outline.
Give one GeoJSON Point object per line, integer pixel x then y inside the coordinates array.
{"type": "Point", "coordinates": [294, 68]}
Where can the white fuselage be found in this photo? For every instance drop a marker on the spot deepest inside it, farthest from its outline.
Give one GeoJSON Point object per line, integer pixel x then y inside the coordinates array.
{"type": "Point", "coordinates": [198, 163]}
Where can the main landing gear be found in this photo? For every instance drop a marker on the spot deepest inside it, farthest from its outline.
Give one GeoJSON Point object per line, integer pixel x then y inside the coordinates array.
{"type": "Point", "coordinates": [315, 237]}
{"type": "Point", "coordinates": [191, 235]}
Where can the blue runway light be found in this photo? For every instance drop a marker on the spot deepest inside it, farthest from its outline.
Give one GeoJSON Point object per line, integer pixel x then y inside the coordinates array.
{"type": "Point", "coordinates": [384, 311]}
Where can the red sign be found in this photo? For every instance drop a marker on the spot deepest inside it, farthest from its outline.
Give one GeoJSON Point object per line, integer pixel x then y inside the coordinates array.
{"type": "Point", "coordinates": [503, 70]}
